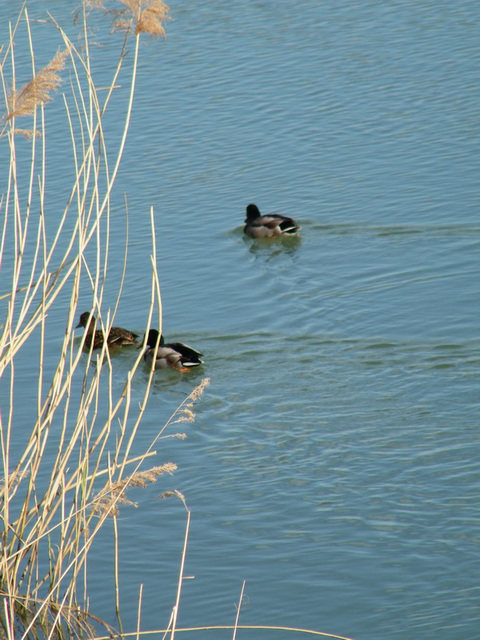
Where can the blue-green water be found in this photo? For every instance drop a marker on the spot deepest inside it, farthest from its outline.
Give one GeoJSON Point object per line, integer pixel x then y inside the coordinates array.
{"type": "Point", "coordinates": [333, 464]}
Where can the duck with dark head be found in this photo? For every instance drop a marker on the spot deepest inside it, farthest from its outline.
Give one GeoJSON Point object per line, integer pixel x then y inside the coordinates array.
{"type": "Point", "coordinates": [175, 354]}
{"type": "Point", "coordinates": [271, 225]}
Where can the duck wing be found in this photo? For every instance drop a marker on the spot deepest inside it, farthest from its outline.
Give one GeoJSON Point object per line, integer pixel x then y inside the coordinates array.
{"type": "Point", "coordinates": [286, 224]}
{"type": "Point", "coordinates": [276, 221]}
{"type": "Point", "coordinates": [119, 336]}
{"type": "Point", "coordinates": [189, 357]}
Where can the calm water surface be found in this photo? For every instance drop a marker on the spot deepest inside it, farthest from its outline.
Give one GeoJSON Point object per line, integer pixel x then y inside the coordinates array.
{"type": "Point", "coordinates": [333, 464]}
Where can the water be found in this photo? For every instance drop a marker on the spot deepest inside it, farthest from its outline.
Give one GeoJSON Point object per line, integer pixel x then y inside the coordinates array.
{"type": "Point", "coordinates": [333, 464]}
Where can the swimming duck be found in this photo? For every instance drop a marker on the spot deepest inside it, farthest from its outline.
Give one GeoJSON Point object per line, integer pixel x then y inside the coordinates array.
{"type": "Point", "coordinates": [177, 355]}
{"type": "Point", "coordinates": [117, 336]}
{"type": "Point", "coordinates": [271, 225]}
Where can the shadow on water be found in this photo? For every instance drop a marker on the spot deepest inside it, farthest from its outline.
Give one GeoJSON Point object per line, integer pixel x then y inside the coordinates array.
{"type": "Point", "coordinates": [271, 247]}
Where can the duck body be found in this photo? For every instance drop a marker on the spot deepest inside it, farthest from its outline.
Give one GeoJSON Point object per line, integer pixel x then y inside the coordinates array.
{"type": "Point", "coordinates": [117, 337]}
{"type": "Point", "coordinates": [175, 354]}
{"type": "Point", "coordinates": [272, 225]}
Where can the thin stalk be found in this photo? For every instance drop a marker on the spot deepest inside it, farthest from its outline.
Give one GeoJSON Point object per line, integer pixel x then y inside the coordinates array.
{"type": "Point", "coordinates": [116, 570]}
{"type": "Point", "coordinates": [238, 611]}
{"type": "Point", "coordinates": [180, 577]}
{"type": "Point", "coordinates": [139, 610]}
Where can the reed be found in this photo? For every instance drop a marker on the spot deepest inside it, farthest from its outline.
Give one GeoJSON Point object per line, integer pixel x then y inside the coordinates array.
{"type": "Point", "coordinates": [52, 514]}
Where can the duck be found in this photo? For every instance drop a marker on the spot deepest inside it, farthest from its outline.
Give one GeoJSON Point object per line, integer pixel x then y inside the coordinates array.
{"type": "Point", "coordinates": [117, 336]}
{"type": "Point", "coordinates": [272, 225]}
{"type": "Point", "coordinates": [175, 354]}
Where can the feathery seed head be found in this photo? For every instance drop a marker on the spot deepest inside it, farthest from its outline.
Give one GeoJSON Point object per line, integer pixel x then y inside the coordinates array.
{"type": "Point", "coordinates": [22, 102]}
{"type": "Point", "coordinates": [149, 16]}
{"type": "Point", "coordinates": [113, 494]}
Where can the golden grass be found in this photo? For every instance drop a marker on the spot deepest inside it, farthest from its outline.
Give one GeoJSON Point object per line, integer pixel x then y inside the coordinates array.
{"type": "Point", "coordinates": [185, 412]}
{"type": "Point", "coordinates": [246, 627]}
{"type": "Point", "coordinates": [77, 465]}
{"type": "Point", "coordinates": [152, 18]}
{"type": "Point", "coordinates": [114, 493]}
{"type": "Point", "coordinates": [146, 16]}
{"type": "Point", "coordinates": [37, 92]}
{"type": "Point", "coordinates": [27, 133]}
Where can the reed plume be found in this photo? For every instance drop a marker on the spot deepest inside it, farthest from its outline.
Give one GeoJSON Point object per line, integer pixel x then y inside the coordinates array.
{"type": "Point", "coordinates": [172, 494]}
{"type": "Point", "coordinates": [185, 412]}
{"type": "Point", "coordinates": [113, 493]}
{"type": "Point", "coordinates": [149, 16]}
{"type": "Point", "coordinates": [152, 17]}
{"type": "Point", "coordinates": [22, 102]}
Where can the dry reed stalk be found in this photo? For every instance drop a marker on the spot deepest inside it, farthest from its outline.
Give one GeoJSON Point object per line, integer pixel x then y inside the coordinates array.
{"type": "Point", "coordinates": [139, 611]}
{"type": "Point", "coordinates": [174, 615]}
{"type": "Point", "coordinates": [245, 627]}
{"type": "Point", "coordinates": [235, 628]}
{"type": "Point", "coordinates": [59, 519]}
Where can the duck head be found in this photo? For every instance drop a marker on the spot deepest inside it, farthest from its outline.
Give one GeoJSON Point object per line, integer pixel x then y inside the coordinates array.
{"type": "Point", "coordinates": [253, 213]}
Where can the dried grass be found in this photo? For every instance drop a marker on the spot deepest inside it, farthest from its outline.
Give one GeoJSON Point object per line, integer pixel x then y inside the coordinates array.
{"type": "Point", "coordinates": [113, 493]}
{"type": "Point", "coordinates": [152, 19]}
{"type": "Point", "coordinates": [148, 16]}
{"type": "Point", "coordinates": [171, 494]}
{"type": "Point", "coordinates": [185, 412]}
{"type": "Point", "coordinates": [53, 506]}
{"type": "Point", "coordinates": [28, 133]}
{"type": "Point", "coordinates": [22, 102]}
